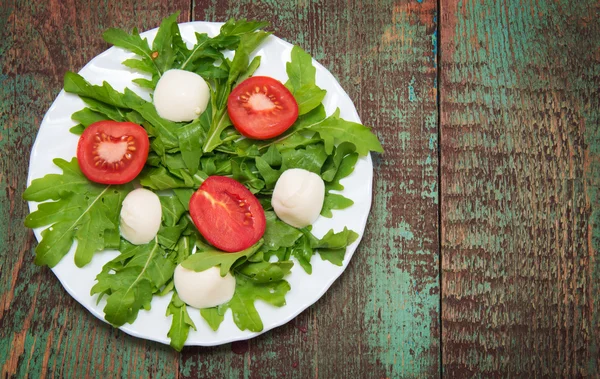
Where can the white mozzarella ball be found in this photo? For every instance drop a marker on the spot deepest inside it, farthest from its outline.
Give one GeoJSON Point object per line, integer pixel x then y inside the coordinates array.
{"type": "Point", "coordinates": [203, 289]}
{"type": "Point", "coordinates": [140, 216]}
{"type": "Point", "coordinates": [298, 197]}
{"type": "Point", "coordinates": [181, 95]}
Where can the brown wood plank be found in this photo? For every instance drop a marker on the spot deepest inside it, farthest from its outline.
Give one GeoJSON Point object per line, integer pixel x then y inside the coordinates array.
{"type": "Point", "coordinates": [520, 127]}
{"type": "Point", "coordinates": [43, 330]}
{"type": "Point", "coordinates": [380, 319]}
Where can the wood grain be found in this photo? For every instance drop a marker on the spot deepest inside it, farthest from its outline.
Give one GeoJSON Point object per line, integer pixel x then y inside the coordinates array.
{"type": "Point", "coordinates": [520, 170]}
{"type": "Point", "coordinates": [43, 331]}
{"type": "Point", "coordinates": [380, 319]}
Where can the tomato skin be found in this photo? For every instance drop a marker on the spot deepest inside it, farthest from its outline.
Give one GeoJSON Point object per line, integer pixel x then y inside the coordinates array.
{"type": "Point", "coordinates": [262, 123]}
{"type": "Point", "coordinates": [227, 214]}
{"type": "Point", "coordinates": [117, 137]}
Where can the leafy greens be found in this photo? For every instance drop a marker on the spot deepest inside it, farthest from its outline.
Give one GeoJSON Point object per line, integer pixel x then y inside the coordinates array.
{"type": "Point", "coordinates": [182, 156]}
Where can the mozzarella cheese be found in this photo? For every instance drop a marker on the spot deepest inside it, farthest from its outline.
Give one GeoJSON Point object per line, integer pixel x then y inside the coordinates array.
{"type": "Point", "coordinates": [181, 95]}
{"type": "Point", "coordinates": [203, 289]}
{"type": "Point", "coordinates": [140, 216]}
{"type": "Point", "coordinates": [298, 197]}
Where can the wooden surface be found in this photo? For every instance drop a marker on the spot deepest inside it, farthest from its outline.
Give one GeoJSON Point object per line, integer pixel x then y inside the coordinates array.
{"type": "Point", "coordinates": [380, 319]}
{"type": "Point", "coordinates": [519, 120]}
{"type": "Point", "coordinates": [520, 177]}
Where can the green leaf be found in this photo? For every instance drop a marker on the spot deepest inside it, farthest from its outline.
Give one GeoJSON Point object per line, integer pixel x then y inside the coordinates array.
{"type": "Point", "coordinates": [300, 70]}
{"type": "Point", "coordinates": [75, 83]}
{"type": "Point", "coordinates": [334, 129]}
{"type": "Point", "coordinates": [191, 137]}
{"type": "Point", "coordinates": [87, 117]}
{"type": "Point", "coordinates": [81, 213]}
{"type": "Point", "coordinates": [265, 272]}
{"type": "Point", "coordinates": [130, 280]}
{"type": "Point", "coordinates": [272, 157]}
{"type": "Point", "coordinates": [303, 252]}
{"type": "Point", "coordinates": [308, 98]}
{"type": "Point", "coordinates": [269, 175]}
{"type": "Point", "coordinates": [54, 186]}
{"type": "Point", "coordinates": [203, 260]}
{"type": "Point", "coordinates": [77, 129]}
{"type": "Point", "coordinates": [335, 256]}
{"type": "Point", "coordinates": [333, 240]}
{"type": "Point", "coordinates": [238, 27]}
{"type": "Point", "coordinates": [243, 173]}
{"type": "Point", "coordinates": [331, 166]}
{"type": "Point", "coordinates": [184, 195]}
{"type": "Point", "coordinates": [214, 316]}
{"type": "Point", "coordinates": [252, 67]}
{"type": "Point", "coordinates": [140, 65]}
{"type": "Point", "coordinates": [132, 42]}
{"type": "Point", "coordinates": [247, 292]}
{"type": "Point", "coordinates": [345, 168]}
{"type": "Point", "coordinates": [172, 209]}
{"type": "Point", "coordinates": [160, 179]}
{"type": "Point", "coordinates": [279, 234]}
{"type": "Point", "coordinates": [167, 129]}
{"type": "Point", "coordinates": [180, 324]}
{"type": "Point", "coordinates": [163, 41]}
{"type": "Point", "coordinates": [334, 201]}
{"type": "Point", "coordinates": [311, 158]}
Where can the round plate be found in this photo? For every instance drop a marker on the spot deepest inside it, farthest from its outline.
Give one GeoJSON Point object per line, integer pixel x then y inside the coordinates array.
{"type": "Point", "coordinates": [55, 141]}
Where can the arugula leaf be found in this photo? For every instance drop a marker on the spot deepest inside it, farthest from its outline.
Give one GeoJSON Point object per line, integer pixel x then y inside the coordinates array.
{"type": "Point", "coordinates": [247, 292]}
{"type": "Point", "coordinates": [81, 213]}
{"type": "Point", "coordinates": [134, 43]}
{"type": "Point", "coordinates": [77, 129]}
{"type": "Point", "coordinates": [75, 83]}
{"type": "Point", "coordinates": [172, 209]}
{"type": "Point", "coordinates": [265, 272]}
{"type": "Point", "coordinates": [180, 324]}
{"type": "Point", "coordinates": [214, 316]}
{"type": "Point", "coordinates": [130, 280]}
{"type": "Point", "coordinates": [203, 260]}
{"type": "Point", "coordinates": [87, 117]}
{"type": "Point", "coordinates": [303, 252]}
{"type": "Point", "coordinates": [311, 158]}
{"type": "Point", "coordinates": [300, 70]}
{"type": "Point", "coordinates": [243, 173]}
{"type": "Point", "coordinates": [279, 234]}
{"type": "Point", "coordinates": [334, 201]}
{"type": "Point", "coordinates": [269, 175]}
{"type": "Point", "coordinates": [308, 98]}
{"type": "Point", "coordinates": [239, 67]}
{"type": "Point", "coordinates": [164, 53]}
{"type": "Point", "coordinates": [333, 240]}
{"type": "Point", "coordinates": [334, 128]}
{"type": "Point", "coordinates": [332, 165]}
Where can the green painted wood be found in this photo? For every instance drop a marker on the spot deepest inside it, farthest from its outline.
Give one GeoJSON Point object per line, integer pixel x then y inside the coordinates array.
{"type": "Point", "coordinates": [520, 178]}
{"type": "Point", "coordinates": [43, 331]}
{"type": "Point", "coordinates": [381, 318]}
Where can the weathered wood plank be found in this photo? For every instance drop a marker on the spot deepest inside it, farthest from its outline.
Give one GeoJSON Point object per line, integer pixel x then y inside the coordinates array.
{"type": "Point", "coordinates": [380, 319]}
{"type": "Point", "coordinates": [520, 127]}
{"type": "Point", "coordinates": [43, 331]}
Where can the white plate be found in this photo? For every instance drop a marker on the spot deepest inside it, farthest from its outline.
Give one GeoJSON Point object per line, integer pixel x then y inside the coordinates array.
{"type": "Point", "coordinates": [55, 141]}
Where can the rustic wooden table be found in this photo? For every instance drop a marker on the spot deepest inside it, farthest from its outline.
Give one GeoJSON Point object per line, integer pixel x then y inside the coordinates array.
{"type": "Point", "coordinates": [481, 253]}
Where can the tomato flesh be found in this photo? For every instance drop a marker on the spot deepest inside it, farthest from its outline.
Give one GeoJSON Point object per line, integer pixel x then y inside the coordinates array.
{"type": "Point", "coordinates": [261, 107]}
{"type": "Point", "coordinates": [227, 214]}
{"type": "Point", "coordinates": [111, 152]}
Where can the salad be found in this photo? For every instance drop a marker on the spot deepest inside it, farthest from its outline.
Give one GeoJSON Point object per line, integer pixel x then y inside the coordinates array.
{"type": "Point", "coordinates": [193, 188]}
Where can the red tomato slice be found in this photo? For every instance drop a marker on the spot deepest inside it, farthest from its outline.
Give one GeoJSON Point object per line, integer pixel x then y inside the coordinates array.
{"type": "Point", "coordinates": [111, 152]}
{"type": "Point", "coordinates": [261, 107]}
{"type": "Point", "coordinates": [227, 214]}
